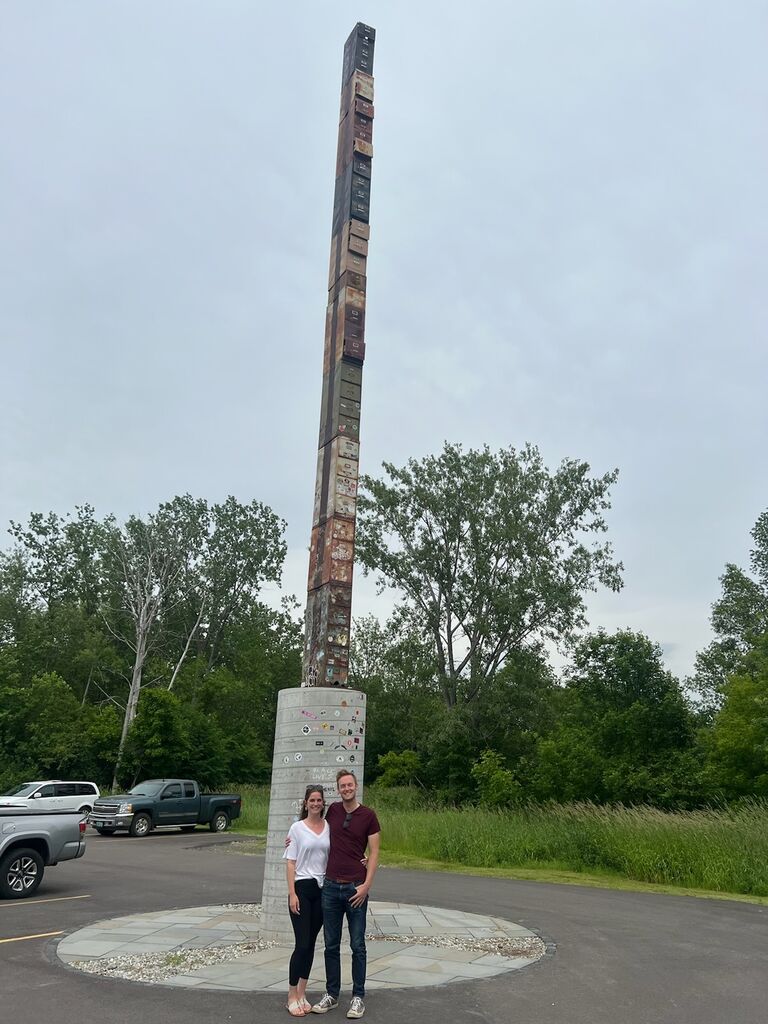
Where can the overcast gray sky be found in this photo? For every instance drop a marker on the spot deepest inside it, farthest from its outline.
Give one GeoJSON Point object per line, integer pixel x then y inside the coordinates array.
{"type": "Point", "coordinates": [568, 247]}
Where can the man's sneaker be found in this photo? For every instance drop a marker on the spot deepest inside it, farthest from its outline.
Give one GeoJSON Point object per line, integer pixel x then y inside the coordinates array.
{"type": "Point", "coordinates": [356, 1007]}
{"type": "Point", "coordinates": [327, 1003]}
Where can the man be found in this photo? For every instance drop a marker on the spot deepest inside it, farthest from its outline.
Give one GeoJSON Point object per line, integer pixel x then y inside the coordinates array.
{"type": "Point", "coordinates": [353, 827]}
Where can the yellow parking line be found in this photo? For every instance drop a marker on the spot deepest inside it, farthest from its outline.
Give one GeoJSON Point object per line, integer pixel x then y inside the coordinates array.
{"type": "Point", "coordinates": [23, 938]}
{"type": "Point", "coordinates": [51, 899]}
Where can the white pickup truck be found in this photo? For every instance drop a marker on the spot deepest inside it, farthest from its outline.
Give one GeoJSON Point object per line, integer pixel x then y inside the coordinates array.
{"type": "Point", "coordinates": [30, 841]}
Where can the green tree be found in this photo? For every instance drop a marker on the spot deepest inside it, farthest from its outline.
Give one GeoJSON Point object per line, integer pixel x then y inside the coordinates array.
{"type": "Point", "coordinates": [158, 743]}
{"type": "Point", "coordinates": [401, 769]}
{"type": "Point", "coordinates": [496, 785]}
{"type": "Point", "coordinates": [738, 745]}
{"type": "Point", "coordinates": [395, 667]}
{"type": "Point", "coordinates": [187, 555]}
{"type": "Point", "coordinates": [624, 730]}
{"type": "Point", "coordinates": [46, 732]}
{"type": "Point", "coordinates": [739, 618]}
{"type": "Point", "coordinates": [116, 609]}
{"type": "Point", "coordinates": [491, 552]}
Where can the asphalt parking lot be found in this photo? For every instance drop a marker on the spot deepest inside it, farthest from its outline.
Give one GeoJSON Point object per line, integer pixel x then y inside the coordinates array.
{"type": "Point", "coordinates": [620, 958]}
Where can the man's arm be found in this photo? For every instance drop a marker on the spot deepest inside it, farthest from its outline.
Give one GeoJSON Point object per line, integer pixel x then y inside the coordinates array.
{"type": "Point", "coordinates": [361, 892]}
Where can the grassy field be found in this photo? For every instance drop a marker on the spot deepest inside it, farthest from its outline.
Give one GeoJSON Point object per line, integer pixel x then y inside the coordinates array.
{"type": "Point", "coordinates": [255, 809]}
{"type": "Point", "coordinates": [721, 851]}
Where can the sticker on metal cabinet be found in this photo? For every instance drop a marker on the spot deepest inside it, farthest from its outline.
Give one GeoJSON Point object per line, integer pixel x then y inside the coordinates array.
{"type": "Point", "coordinates": [306, 730]}
{"type": "Point", "coordinates": [298, 757]}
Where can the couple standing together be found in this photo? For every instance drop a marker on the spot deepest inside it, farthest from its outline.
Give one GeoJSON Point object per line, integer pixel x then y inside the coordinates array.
{"type": "Point", "coordinates": [329, 879]}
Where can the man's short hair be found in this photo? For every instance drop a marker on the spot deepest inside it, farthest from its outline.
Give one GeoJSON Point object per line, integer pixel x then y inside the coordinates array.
{"type": "Point", "coordinates": [342, 772]}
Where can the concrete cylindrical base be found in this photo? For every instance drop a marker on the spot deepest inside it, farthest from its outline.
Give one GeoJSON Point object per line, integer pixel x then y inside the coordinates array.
{"type": "Point", "coordinates": [318, 730]}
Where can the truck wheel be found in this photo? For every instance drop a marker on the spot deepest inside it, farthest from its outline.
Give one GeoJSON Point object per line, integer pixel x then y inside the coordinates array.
{"type": "Point", "coordinates": [105, 831]}
{"type": "Point", "coordinates": [140, 825]}
{"type": "Point", "coordinates": [219, 822]}
{"type": "Point", "coordinates": [21, 871]}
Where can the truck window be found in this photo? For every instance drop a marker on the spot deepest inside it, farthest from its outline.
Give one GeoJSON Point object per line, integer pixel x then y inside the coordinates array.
{"type": "Point", "coordinates": [189, 789]}
{"type": "Point", "coordinates": [172, 790]}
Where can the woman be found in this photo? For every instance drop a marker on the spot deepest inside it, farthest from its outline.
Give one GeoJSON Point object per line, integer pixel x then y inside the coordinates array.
{"type": "Point", "coordinates": [306, 856]}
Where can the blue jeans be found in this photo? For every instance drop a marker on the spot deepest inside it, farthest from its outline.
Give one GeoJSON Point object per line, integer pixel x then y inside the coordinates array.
{"type": "Point", "coordinates": [336, 906]}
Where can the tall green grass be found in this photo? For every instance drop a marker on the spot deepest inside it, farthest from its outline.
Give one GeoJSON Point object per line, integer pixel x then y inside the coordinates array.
{"type": "Point", "coordinates": [723, 850]}
{"type": "Point", "coordinates": [255, 810]}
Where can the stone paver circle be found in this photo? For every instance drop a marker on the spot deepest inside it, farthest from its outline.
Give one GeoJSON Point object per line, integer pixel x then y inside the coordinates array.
{"type": "Point", "coordinates": [219, 948]}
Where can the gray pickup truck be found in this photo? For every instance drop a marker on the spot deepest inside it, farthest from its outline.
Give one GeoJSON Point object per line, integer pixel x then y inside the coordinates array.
{"type": "Point", "coordinates": [32, 840]}
{"type": "Point", "coordinates": [161, 803]}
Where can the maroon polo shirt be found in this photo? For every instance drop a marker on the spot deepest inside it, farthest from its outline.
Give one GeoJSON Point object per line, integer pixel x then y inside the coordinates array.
{"type": "Point", "coordinates": [348, 844]}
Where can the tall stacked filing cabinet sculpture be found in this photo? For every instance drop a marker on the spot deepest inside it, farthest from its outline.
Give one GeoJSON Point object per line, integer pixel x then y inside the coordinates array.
{"type": "Point", "coordinates": [320, 727]}
{"type": "Point", "coordinates": [326, 653]}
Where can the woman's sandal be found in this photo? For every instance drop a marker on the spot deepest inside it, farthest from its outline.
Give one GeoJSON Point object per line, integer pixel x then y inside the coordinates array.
{"type": "Point", "coordinates": [296, 1008]}
{"type": "Point", "coordinates": [307, 1005]}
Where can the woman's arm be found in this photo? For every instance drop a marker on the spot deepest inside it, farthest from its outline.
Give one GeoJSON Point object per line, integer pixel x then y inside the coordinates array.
{"type": "Point", "coordinates": [290, 873]}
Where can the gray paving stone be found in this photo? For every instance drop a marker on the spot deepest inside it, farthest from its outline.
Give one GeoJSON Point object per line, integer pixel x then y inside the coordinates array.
{"type": "Point", "coordinates": [200, 942]}
{"type": "Point", "coordinates": [429, 970]}
{"type": "Point", "coordinates": [175, 935]}
{"type": "Point", "coordinates": [382, 949]}
{"type": "Point", "coordinates": [87, 934]}
{"type": "Point", "coordinates": [447, 954]}
{"type": "Point", "coordinates": [493, 960]}
{"type": "Point", "coordinates": [392, 964]}
{"type": "Point", "coordinates": [90, 947]}
{"type": "Point", "coordinates": [404, 978]}
{"type": "Point", "coordinates": [265, 956]}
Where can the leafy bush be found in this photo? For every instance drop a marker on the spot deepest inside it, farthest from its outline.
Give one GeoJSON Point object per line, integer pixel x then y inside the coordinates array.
{"type": "Point", "coordinates": [496, 785]}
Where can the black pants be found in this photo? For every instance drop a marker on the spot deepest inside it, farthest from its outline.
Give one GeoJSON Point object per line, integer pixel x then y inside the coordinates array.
{"type": "Point", "coordinates": [306, 927]}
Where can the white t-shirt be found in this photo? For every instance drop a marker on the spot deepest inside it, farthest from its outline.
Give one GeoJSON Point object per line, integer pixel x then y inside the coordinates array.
{"type": "Point", "coordinates": [309, 850]}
